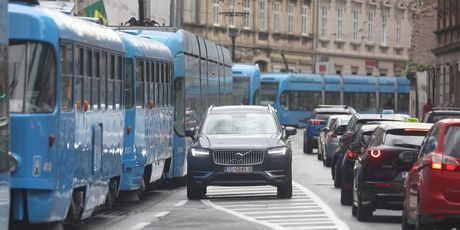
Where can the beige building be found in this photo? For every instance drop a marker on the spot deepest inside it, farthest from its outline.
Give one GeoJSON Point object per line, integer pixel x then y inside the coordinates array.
{"type": "Point", "coordinates": [363, 37]}
{"type": "Point", "coordinates": [266, 30]}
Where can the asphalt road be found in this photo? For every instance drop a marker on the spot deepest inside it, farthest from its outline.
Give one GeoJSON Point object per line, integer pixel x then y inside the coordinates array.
{"type": "Point", "coordinates": [315, 205]}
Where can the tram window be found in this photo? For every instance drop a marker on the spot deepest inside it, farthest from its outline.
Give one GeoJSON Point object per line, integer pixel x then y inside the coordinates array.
{"type": "Point", "coordinates": [169, 85]}
{"type": "Point", "coordinates": [145, 79]}
{"type": "Point", "coordinates": [129, 83]}
{"type": "Point", "coordinates": [300, 100]}
{"type": "Point", "coordinates": [110, 80]}
{"type": "Point", "coordinates": [160, 86]}
{"type": "Point", "coordinates": [103, 81]}
{"type": "Point", "coordinates": [179, 109]}
{"type": "Point", "coordinates": [152, 84]}
{"type": "Point", "coordinates": [66, 77]}
{"type": "Point", "coordinates": [332, 98]}
{"type": "Point", "coordinates": [96, 80]}
{"type": "Point", "coordinates": [88, 77]}
{"type": "Point", "coordinates": [384, 97]}
{"type": "Point", "coordinates": [403, 103]}
{"type": "Point", "coordinates": [241, 90]}
{"type": "Point", "coordinates": [79, 78]}
{"type": "Point", "coordinates": [139, 84]}
{"type": "Point", "coordinates": [118, 83]}
{"type": "Point", "coordinates": [157, 84]}
{"type": "Point", "coordinates": [32, 74]}
{"type": "Point", "coordinates": [361, 101]}
{"type": "Point", "coordinates": [269, 90]}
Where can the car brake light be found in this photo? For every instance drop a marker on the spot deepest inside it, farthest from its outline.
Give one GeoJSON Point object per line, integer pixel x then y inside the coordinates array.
{"type": "Point", "coordinates": [375, 153]}
{"type": "Point", "coordinates": [315, 122]}
{"type": "Point", "coordinates": [440, 162]}
{"type": "Point", "coordinates": [352, 155]}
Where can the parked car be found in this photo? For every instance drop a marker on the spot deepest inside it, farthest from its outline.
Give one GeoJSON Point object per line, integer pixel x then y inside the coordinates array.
{"type": "Point", "coordinates": [318, 121]}
{"type": "Point", "coordinates": [240, 145]}
{"type": "Point", "coordinates": [331, 139]}
{"type": "Point", "coordinates": [431, 191]}
{"type": "Point", "coordinates": [356, 147]}
{"type": "Point", "coordinates": [353, 125]}
{"type": "Point", "coordinates": [379, 172]}
{"type": "Point", "coordinates": [439, 113]}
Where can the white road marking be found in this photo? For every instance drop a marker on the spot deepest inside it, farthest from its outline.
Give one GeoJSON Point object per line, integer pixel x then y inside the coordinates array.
{"type": "Point", "coordinates": [162, 214]}
{"type": "Point", "coordinates": [304, 210]}
{"type": "Point", "coordinates": [141, 225]}
{"type": "Point", "coordinates": [181, 203]}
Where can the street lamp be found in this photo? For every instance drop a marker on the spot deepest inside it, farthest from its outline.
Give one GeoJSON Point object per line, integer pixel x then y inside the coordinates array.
{"type": "Point", "coordinates": [233, 31]}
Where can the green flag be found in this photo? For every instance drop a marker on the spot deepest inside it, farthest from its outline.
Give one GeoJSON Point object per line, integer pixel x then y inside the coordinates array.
{"type": "Point", "coordinates": [97, 10]}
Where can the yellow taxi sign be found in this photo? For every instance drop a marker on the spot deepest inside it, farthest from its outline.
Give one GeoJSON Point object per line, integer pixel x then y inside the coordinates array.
{"type": "Point", "coordinates": [412, 119]}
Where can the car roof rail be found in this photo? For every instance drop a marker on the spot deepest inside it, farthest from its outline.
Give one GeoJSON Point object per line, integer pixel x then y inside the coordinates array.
{"type": "Point", "coordinates": [445, 108]}
{"type": "Point", "coordinates": [332, 106]}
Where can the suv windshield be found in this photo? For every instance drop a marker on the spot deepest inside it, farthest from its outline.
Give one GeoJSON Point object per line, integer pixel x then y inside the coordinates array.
{"type": "Point", "coordinates": [239, 123]}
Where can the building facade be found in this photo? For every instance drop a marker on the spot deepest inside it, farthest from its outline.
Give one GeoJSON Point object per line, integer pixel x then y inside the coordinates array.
{"type": "Point", "coordinates": [446, 83]}
{"type": "Point", "coordinates": [363, 37]}
{"type": "Point", "coordinates": [271, 33]}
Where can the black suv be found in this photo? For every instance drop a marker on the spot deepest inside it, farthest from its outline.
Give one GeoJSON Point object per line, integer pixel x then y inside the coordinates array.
{"type": "Point", "coordinates": [237, 146]}
{"type": "Point", "coordinates": [440, 113]}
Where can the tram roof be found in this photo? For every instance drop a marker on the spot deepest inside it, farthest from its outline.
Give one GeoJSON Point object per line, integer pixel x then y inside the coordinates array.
{"type": "Point", "coordinates": [49, 25]}
{"type": "Point", "coordinates": [145, 47]}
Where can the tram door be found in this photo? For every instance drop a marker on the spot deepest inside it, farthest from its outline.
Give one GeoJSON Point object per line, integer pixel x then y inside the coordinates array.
{"type": "Point", "coordinates": [4, 122]}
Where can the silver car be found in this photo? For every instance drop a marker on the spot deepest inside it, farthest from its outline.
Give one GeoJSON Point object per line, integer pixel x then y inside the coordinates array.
{"type": "Point", "coordinates": [331, 138]}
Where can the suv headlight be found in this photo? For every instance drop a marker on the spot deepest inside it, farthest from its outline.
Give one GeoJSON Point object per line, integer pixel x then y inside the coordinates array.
{"type": "Point", "coordinates": [281, 151]}
{"type": "Point", "coordinates": [199, 152]}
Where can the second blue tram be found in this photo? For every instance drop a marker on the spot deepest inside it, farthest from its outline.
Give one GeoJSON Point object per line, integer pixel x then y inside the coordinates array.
{"type": "Point", "coordinates": [202, 77]}
{"type": "Point", "coordinates": [296, 95]}
{"type": "Point", "coordinates": [246, 84]}
{"type": "Point", "coordinates": [148, 112]}
{"type": "Point", "coordinates": [67, 119]}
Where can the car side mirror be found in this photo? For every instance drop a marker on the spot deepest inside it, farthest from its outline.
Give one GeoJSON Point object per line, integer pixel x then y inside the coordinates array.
{"type": "Point", "coordinates": [346, 138]}
{"type": "Point", "coordinates": [407, 159]}
{"type": "Point", "coordinates": [190, 133]}
{"type": "Point", "coordinates": [290, 131]}
{"type": "Point", "coordinates": [324, 129]}
{"type": "Point", "coordinates": [355, 147]}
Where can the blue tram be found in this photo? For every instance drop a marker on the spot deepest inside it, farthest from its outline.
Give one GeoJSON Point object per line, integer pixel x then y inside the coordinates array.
{"type": "Point", "coordinates": [66, 113]}
{"type": "Point", "coordinates": [147, 143]}
{"type": "Point", "coordinates": [296, 95]}
{"type": "Point", "coordinates": [246, 84]}
{"type": "Point", "coordinates": [202, 77]}
{"type": "Point", "coordinates": [4, 122]}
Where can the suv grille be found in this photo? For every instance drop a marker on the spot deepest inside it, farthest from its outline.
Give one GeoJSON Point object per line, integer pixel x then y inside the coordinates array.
{"type": "Point", "coordinates": [238, 157]}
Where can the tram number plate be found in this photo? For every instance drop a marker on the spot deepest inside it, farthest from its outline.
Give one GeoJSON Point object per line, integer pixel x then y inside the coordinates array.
{"type": "Point", "coordinates": [238, 169]}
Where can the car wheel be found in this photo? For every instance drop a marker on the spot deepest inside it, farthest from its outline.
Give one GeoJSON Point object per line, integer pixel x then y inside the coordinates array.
{"type": "Point", "coordinates": [327, 162]}
{"type": "Point", "coordinates": [337, 176]}
{"type": "Point", "coordinates": [418, 224]}
{"type": "Point", "coordinates": [320, 154]}
{"type": "Point", "coordinates": [405, 224]}
{"type": "Point", "coordinates": [345, 196]}
{"type": "Point", "coordinates": [195, 192]}
{"type": "Point", "coordinates": [305, 147]}
{"type": "Point", "coordinates": [363, 213]}
{"type": "Point", "coordinates": [284, 191]}
{"type": "Point", "coordinates": [354, 210]}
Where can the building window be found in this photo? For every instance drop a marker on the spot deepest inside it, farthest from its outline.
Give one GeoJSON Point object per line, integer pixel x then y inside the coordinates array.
{"type": "Point", "coordinates": [384, 27]}
{"type": "Point", "coordinates": [339, 24]}
{"type": "Point", "coordinates": [231, 8]}
{"type": "Point", "coordinates": [323, 12]}
{"type": "Point", "coordinates": [216, 7]}
{"type": "Point", "coordinates": [247, 14]}
{"type": "Point", "coordinates": [370, 26]}
{"type": "Point", "coordinates": [147, 9]}
{"type": "Point", "coordinates": [291, 10]}
{"type": "Point", "coordinates": [304, 19]}
{"type": "Point", "coordinates": [355, 24]}
{"type": "Point", "coordinates": [262, 15]}
{"type": "Point", "coordinates": [276, 16]}
{"type": "Point", "coordinates": [398, 29]}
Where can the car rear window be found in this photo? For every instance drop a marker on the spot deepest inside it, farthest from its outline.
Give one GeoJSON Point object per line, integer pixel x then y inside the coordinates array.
{"type": "Point", "coordinates": [239, 123]}
{"type": "Point", "coordinates": [452, 141]}
{"type": "Point", "coordinates": [408, 138]}
{"type": "Point", "coordinates": [438, 117]}
{"type": "Point", "coordinates": [325, 116]}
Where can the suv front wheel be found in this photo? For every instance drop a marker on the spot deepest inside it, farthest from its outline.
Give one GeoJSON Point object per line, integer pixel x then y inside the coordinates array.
{"type": "Point", "coordinates": [195, 192]}
{"type": "Point", "coordinates": [285, 190]}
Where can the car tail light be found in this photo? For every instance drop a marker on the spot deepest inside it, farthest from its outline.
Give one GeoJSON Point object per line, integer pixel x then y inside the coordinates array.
{"type": "Point", "coordinates": [374, 153]}
{"type": "Point", "coordinates": [443, 162]}
{"type": "Point", "coordinates": [315, 122]}
{"type": "Point", "coordinates": [352, 155]}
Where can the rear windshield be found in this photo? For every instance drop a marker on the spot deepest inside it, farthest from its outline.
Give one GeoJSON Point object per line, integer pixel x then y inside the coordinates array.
{"type": "Point", "coordinates": [405, 138]}
{"type": "Point", "coordinates": [326, 115]}
{"type": "Point", "coordinates": [438, 117]}
{"type": "Point", "coordinates": [452, 141]}
{"type": "Point", "coordinates": [366, 135]}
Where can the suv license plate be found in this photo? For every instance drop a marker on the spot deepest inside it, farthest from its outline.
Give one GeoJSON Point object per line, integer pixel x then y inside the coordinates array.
{"type": "Point", "coordinates": [238, 169]}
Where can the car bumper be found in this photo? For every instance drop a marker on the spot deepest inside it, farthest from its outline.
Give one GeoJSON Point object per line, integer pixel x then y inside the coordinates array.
{"type": "Point", "coordinates": [383, 195]}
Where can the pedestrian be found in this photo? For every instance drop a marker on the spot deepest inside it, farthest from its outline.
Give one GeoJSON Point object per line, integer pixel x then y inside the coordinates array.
{"type": "Point", "coordinates": [389, 104]}
{"type": "Point", "coordinates": [427, 107]}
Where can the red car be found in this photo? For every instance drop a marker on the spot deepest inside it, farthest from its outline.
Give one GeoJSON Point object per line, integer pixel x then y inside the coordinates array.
{"type": "Point", "coordinates": [432, 187]}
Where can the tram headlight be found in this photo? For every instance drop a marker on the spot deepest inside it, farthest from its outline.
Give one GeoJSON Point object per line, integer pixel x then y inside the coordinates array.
{"type": "Point", "coordinates": [199, 152]}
